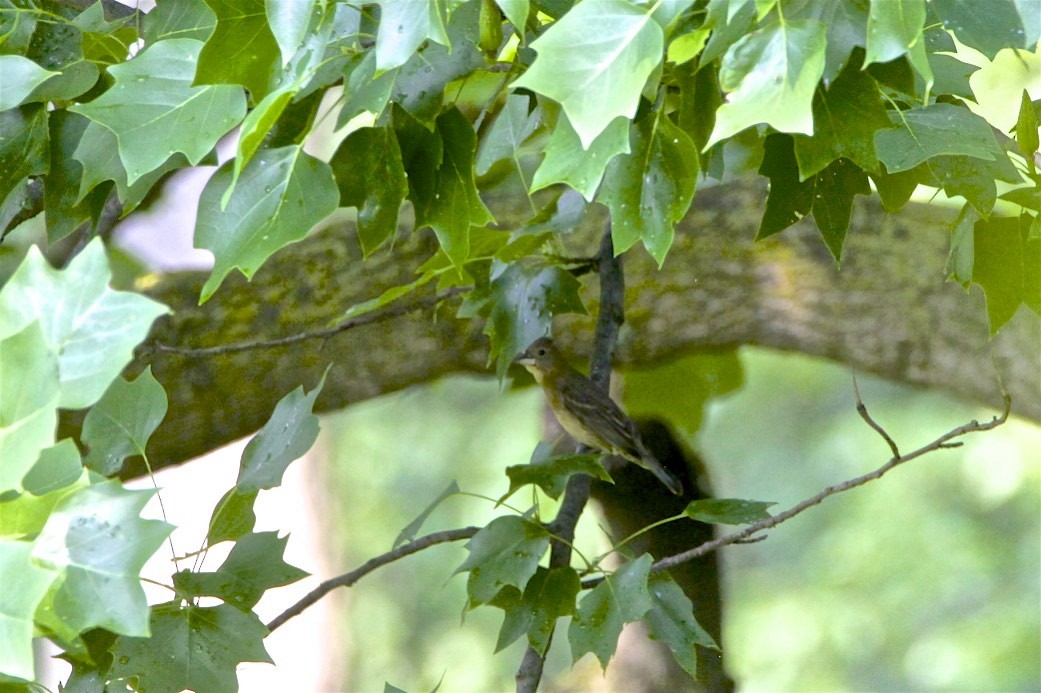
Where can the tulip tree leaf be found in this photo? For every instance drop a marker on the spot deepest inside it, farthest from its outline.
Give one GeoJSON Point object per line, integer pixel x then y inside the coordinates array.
{"type": "Point", "coordinates": [154, 110]}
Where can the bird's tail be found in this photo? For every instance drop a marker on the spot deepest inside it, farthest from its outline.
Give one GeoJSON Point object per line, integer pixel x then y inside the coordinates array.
{"type": "Point", "coordinates": [655, 467]}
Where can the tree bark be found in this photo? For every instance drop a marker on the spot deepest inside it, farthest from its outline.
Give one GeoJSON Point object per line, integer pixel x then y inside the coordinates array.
{"type": "Point", "coordinates": [887, 310]}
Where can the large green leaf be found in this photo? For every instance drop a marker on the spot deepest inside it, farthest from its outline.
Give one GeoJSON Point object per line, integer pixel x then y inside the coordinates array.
{"type": "Point", "coordinates": [92, 328]}
{"type": "Point", "coordinates": [241, 49]}
{"type": "Point", "coordinates": [288, 21]}
{"type": "Point", "coordinates": [671, 621]}
{"type": "Point", "coordinates": [549, 595]}
{"type": "Point", "coordinates": [771, 75]}
{"type": "Point", "coordinates": [1007, 264]}
{"type": "Point", "coordinates": [990, 26]}
{"type": "Point", "coordinates": [154, 110]}
{"type": "Point", "coordinates": [650, 189]}
{"type": "Point", "coordinates": [566, 161]}
{"type": "Point", "coordinates": [441, 180]}
{"type": "Point", "coordinates": [287, 435]}
{"type": "Point", "coordinates": [20, 77]}
{"type": "Point", "coordinates": [28, 402]}
{"type": "Point", "coordinates": [280, 195]}
{"type": "Point", "coordinates": [96, 538]}
{"type": "Point", "coordinates": [23, 146]}
{"type": "Point", "coordinates": [828, 194]}
{"type": "Point", "coordinates": [403, 26]}
{"type": "Point", "coordinates": [523, 300]}
{"type": "Point", "coordinates": [939, 128]}
{"type": "Point", "coordinates": [503, 139]}
{"type": "Point", "coordinates": [594, 62]}
{"type": "Point", "coordinates": [621, 598]}
{"type": "Point", "coordinates": [506, 552]}
{"type": "Point", "coordinates": [254, 566]}
{"type": "Point", "coordinates": [371, 177]}
{"type": "Point", "coordinates": [551, 475]}
{"type": "Point", "coordinates": [845, 119]}
{"type": "Point", "coordinates": [122, 421]}
{"type": "Point", "coordinates": [191, 648]}
{"type": "Point", "coordinates": [191, 19]}
{"type": "Point", "coordinates": [24, 585]}
{"type": "Point", "coordinates": [893, 28]}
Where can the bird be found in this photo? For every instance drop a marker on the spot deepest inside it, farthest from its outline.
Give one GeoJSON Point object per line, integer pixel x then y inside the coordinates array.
{"type": "Point", "coordinates": [588, 413]}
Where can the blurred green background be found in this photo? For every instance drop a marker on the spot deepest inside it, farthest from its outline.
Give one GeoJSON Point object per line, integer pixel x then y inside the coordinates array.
{"type": "Point", "coordinates": [926, 580]}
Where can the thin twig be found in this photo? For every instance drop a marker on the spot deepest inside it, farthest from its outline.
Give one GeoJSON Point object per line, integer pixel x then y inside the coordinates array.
{"type": "Point", "coordinates": [945, 441]}
{"type": "Point", "coordinates": [367, 319]}
{"type": "Point", "coordinates": [862, 410]}
{"type": "Point", "coordinates": [348, 579]}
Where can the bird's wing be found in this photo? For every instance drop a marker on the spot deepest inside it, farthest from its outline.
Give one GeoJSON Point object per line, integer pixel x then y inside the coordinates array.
{"type": "Point", "coordinates": [598, 412]}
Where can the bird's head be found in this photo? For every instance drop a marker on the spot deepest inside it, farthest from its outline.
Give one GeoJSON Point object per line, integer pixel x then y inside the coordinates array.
{"type": "Point", "coordinates": [540, 357]}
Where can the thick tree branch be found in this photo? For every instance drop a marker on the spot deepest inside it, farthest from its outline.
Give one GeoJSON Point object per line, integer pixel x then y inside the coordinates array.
{"type": "Point", "coordinates": [888, 311]}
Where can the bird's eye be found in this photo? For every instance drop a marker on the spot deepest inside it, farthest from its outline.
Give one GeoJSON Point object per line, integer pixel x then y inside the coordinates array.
{"type": "Point", "coordinates": [541, 352]}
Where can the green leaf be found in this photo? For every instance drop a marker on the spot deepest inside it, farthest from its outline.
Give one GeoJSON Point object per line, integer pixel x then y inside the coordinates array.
{"type": "Point", "coordinates": [58, 46]}
{"type": "Point", "coordinates": [21, 76]}
{"type": "Point", "coordinates": [1026, 129]}
{"type": "Point", "coordinates": [241, 50]}
{"type": "Point", "coordinates": [57, 468]}
{"type": "Point", "coordinates": [728, 511]}
{"type": "Point", "coordinates": [23, 146]}
{"type": "Point", "coordinates": [961, 257]}
{"type": "Point", "coordinates": [420, 83]}
{"type": "Point", "coordinates": [371, 177]}
{"type": "Point", "coordinates": [192, 647]}
{"type": "Point", "coordinates": [98, 152]}
{"type": "Point", "coordinates": [771, 75]}
{"type": "Point", "coordinates": [122, 421]}
{"type": "Point", "coordinates": [524, 298]}
{"type": "Point", "coordinates": [289, 20]}
{"type": "Point", "coordinates": [939, 128]}
{"type": "Point", "coordinates": [845, 118]}
{"type": "Point", "coordinates": [551, 475]}
{"type": "Point", "coordinates": [233, 516]}
{"type": "Point", "coordinates": [621, 598]}
{"type": "Point", "coordinates": [1007, 265]}
{"type": "Point", "coordinates": [619, 44]}
{"type": "Point", "coordinates": [894, 189]}
{"type": "Point", "coordinates": [95, 537]}
{"type": "Point", "coordinates": [254, 565]}
{"type": "Point", "coordinates": [441, 181]}
{"type": "Point", "coordinates": [516, 11]}
{"type": "Point", "coordinates": [66, 208]}
{"type": "Point", "coordinates": [255, 128]}
{"type": "Point", "coordinates": [828, 194]}
{"type": "Point", "coordinates": [25, 584]}
{"type": "Point", "coordinates": [28, 402]}
{"type": "Point", "coordinates": [503, 139]}
{"type": "Point", "coordinates": [893, 28]}
{"type": "Point", "coordinates": [988, 27]}
{"type": "Point", "coordinates": [678, 391]}
{"type": "Point", "coordinates": [93, 328]}
{"type": "Point", "coordinates": [549, 595]}
{"type": "Point", "coordinates": [566, 161]}
{"type": "Point", "coordinates": [281, 194]}
{"type": "Point", "coordinates": [671, 621]}
{"type": "Point", "coordinates": [403, 26]}
{"type": "Point", "coordinates": [287, 435]}
{"type": "Point", "coordinates": [154, 110]}
{"type": "Point", "coordinates": [190, 19]}
{"type": "Point", "coordinates": [649, 190]}
{"type": "Point", "coordinates": [412, 528]}
{"type": "Point", "coordinates": [365, 91]}
{"type": "Point", "coordinates": [506, 552]}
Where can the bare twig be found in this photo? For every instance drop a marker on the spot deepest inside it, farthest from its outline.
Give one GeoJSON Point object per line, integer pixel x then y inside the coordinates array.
{"type": "Point", "coordinates": [947, 440]}
{"type": "Point", "coordinates": [368, 319]}
{"type": "Point", "coordinates": [576, 494]}
{"type": "Point", "coordinates": [348, 579]}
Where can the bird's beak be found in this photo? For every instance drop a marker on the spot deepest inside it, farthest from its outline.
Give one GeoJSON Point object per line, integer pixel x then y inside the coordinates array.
{"type": "Point", "coordinates": [523, 359]}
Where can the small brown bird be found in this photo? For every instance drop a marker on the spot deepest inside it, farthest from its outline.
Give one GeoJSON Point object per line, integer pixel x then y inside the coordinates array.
{"type": "Point", "coordinates": [588, 413]}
